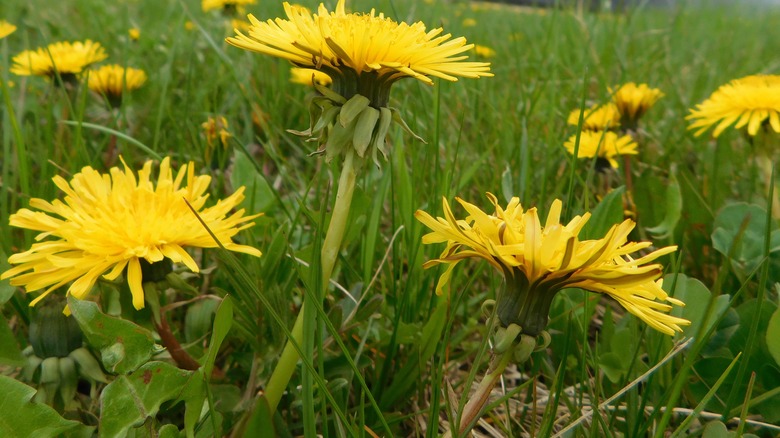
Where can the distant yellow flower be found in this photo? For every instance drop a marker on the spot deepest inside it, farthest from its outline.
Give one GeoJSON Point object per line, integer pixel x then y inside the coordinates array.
{"type": "Point", "coordinates": [241, 25]}
{"type": "Point", "coordinates": [484, 51]}
{"type": "Point", "coordinates": [539, 260]}
{"type": "Point", "coordinates": [309, 76]}
{"type": "Point", "coordinates": [469, 22]}
{"type": "Point", "coordinates": [109, 223]}
{"type": "Point", "coordinates": [189, 25]}
{"type": "Point", "coordinates": [634, 100]}
{"type": "Point", "coordinates": [209, 5]}
{"type": "Point", "coordinates": [114, 80]}
{"type": "Point", "coordinates": [751, 101]}
{"type": "Point", "coordinates": [597, 118]}
{"type": "Point", "coordinates": [6, 29]}
{"type": "Point", "coordinates": [216, 128]}
{"type": "Point", "coordinates": [364, 55]}
{"type": "Point", "coordinates": [603, 144]}
{"type": "Point", "coordinates": [63, 57]}
{"type": "Point", "coordinates": [134, 33]}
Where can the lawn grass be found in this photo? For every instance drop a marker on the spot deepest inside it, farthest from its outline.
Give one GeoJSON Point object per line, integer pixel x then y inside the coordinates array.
{"type": "Point", "coordinates": [502, 135]}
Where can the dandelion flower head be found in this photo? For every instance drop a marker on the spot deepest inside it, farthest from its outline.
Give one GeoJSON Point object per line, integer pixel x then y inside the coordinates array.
{"type": "Point", "coordinates": [113, 80]}
{"type": "Point", "coordinates": [111, 222]}
{"type": "Point", "coordinates": [6, 29]}
{"type": "Point", "coordinates": [62, 57]}
{"type": "Point", "coordinates": [549, 256]}
{"type": "Point", "coordinates": [216, 128]}
{"type": "Point", "coordinates": [602, 144]}
{"type": "Point", "coordinates": [208, 5]}
{"type": "Point", "coordinates": [329, 41]}
{"type": "Point", "coordinates": [634, 100]}
{"type": "Point", "coordinates": [484, 51]}
{"type": "Point", "coordinates": [749, 102]}
{"type": "Point", "coordinates": [597, 118]}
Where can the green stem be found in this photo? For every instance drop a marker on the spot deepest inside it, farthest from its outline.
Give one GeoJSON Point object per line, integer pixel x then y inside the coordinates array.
{"type": "Point", "coordinates": [473, 410]}
{"type": "Point", "coordinates": [330, 251]}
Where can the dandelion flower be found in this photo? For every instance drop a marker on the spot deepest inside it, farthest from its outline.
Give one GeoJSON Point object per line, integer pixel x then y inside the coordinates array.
{"type": "Point", "coordinates": [6, 29]}
{"type": "Point", "coordinates": [751, 101]}
{"type": "Point", "coordinates": [605, 145]}
{"type": "Point", "coordinates": [484, 51]}
{"type": "Point", "coordinates": [241, 25]}
{"type": "Point", "coordinates": [469, 22]}
{"type": "Point", "coordinates": [134, 33]}
{"type": "Point", "coordinates": [114, 80]}
{"type": "Point", "coordinates": [538, 260]}
{"type": "Point", "coordinates": [109, 223]}
{"type": "Point", "coordinates": [364, 54]}
{"type": "Point", "coordinates": [216, 128]}
{"type": "Point", "coordinates": [597, 118]}
{"type": "Point", "coordinates": [388, 50]}
{"type": "Point", "coordinates": [225, 5]}
{"type": "Point", "coordinates": [634, 100]}
{"type": "Point", "coordinates": [309, 76]}
{"type": "Point", "coordinates": [63, 57]}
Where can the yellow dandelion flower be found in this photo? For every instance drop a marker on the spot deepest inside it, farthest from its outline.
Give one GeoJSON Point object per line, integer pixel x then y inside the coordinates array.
{"type": "Point", "coordinates": [469, 22]}
{"type": "Point", "coordinates": [364, 55]}
{"type": "Point", "coordinates": [538, 260]}
{"type": "Point", "coordinates": [208, 5]}
{"type": "Point", "coordinates": [597, 118]}
{"type": "Point", "coordinates": [387, 49]}
{"type": "Point", "coordinates": [6, 29]}
{"type": "Point", "coordinates": [605, 145]}
{"type": "Point", "coordinates": [114, 80]}
{"type": "Point", "coordinates": [239, 25]}
{"type": "Point", "coordinates": [633, 101]}
{"type": "Point", "coordinates": [752, 101]}
{"type": "Point", "coordinates": [309, 76]}
{"type": "Point", "coordinates": [111, 222]}
{"type": "Point", "coordinates": [189, 25]}
{"type": "Point", "coordinates": [63, 57]}
{"type": "Point", "coordinates": [134, 33]}
{"type": "Point", "coordinates": [484, 51]}
{"type": "Point", "coordinates": [216, 128]}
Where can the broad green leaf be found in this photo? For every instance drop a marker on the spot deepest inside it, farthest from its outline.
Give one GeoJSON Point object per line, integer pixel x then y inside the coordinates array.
{"type": "Point", "coordinates": [608, 213]}
{"type": "Point", "coordinates": [697, 298]}
{"type": "Point", "coordinates": [738, 233]}
{"type": "Point", "coordinates": [198, 321]}
{"type": "Point", "coordinates": [123, 346]}
{"type": "Point", "coordinates": [613, 365]}
{"type": "Point", "coordinates": [259, 194]}
{"type": "Point", "coordinates": [194, 396]}
{"type": "Point", "coordinates": [715, 429]}
{"type": "Point", "coordinates": [673, 209]}
{"type": "Point", "coordinates": [222, 323]}
{"type": "Point", "coordinates": [168, 431]}
{"type": "Point", "coordinates": [131, 399]}
{"type": "Point", "coordinates": [261, 422]}
{"type": "Point", "coordinates": [773, 336]}
{"type": "Point", "coordinates": [10, 354]}
{"type": "Point", "coordinates": [20, 417]}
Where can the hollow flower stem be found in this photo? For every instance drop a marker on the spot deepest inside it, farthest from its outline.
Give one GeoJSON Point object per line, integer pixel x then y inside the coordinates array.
{"type": "Point", "coordinates": [476, 404]}
{"type": "Point", "coordinates": [330, 251]}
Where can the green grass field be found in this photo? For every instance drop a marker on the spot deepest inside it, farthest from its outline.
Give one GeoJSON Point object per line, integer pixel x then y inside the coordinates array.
{"type": "Point", "coordinates": [388, 357]}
